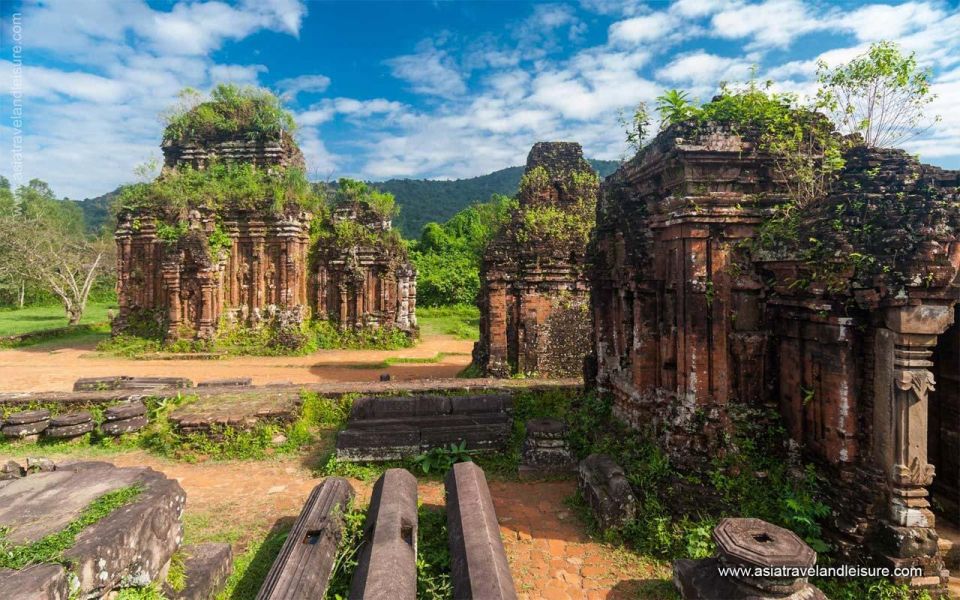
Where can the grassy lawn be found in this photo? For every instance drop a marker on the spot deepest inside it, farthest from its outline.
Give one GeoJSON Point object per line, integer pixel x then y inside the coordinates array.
{"type": "Point", "coordinates": [461, 321]}
{"type": "Point", "coordinates": [39, 318]}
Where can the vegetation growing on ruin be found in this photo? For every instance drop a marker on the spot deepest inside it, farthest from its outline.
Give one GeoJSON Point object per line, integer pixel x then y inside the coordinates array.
{"type": "Point", "coordinates": [220, 187]}
{"type": "Point", "coordinates": [433, 554]}
{"type": "Point", "coordinates": [560, 224]}
{"type": "Point", "coordinates": [50, 548]}
{"type": "Point", "coordinates": [230, 111]}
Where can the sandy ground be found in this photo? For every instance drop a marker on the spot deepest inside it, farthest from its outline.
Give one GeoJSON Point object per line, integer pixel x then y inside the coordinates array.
{"type": "Point", "coordinates": [54, 367]}
{"type": "Point", "coordinates": [550, 553]}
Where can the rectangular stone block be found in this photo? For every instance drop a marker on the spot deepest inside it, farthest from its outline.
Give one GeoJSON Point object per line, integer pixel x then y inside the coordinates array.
{"type": "Point", "coordinates": [378, 444]}
{"type": "Point", "coordinates": [387, 567]}
{"type": "Point", "coordinates": [303, 567]}
{"type": "Point", "coordinates": [207, 567]}
{"type": "Point", "coordinates": [478, 562]}
{"type": "Point", "coordinates": [477, 437]}
{"type": "Point", "coordinates": [481, 403]}
{"type": "Point", "coordinates": [433, 405]}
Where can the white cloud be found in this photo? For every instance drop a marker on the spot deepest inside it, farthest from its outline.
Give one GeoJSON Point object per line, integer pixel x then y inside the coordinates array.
{"type": "Point", "coordinates": [702, 68]}
{"type": "Point", "coordinates": [89, 122]}
{"type": "Point", "coordinates": [642, 29]}
{"type": "Point", "coordinates": [883, 22]}
{"type": "Point", "coordinates": [309, 84]}
{"type": "Point", "coordinates": [430, 71]}
{"type": "Point", "coordinates": [772, 23]}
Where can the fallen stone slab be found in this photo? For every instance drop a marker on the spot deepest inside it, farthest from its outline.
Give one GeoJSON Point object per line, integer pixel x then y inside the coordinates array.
{"type": "Point", "coordinates": [207, 567]}
{"type": "Point", "coordinates": [605, 488]}
{"type": "Point", "coordinates": [124, 382]}
{"type": "Point", "coordinates": [389, 443]}
{"type": "Point", "coordinates": [127, 410]}
{"type": "Point", "coordinates": [303, 567]}
{"type": "Point", "coordinates": [478, 562]}
{"type": "Point", "coordinates": [387, 567]}
{"type": "Point", "coordinates": [25, 432]}
{"type": "Point", "coordinates": [68, 419]}
{"type": "Point", "coordinates": [68, 431]}
{"type": "Point", "coordinates": [229, 382]}
{"type": "Point", "coordinates": [130, 546]}
{"type": "Point", "coordinates": [481, 403]}
{"type": "Point", "coordinates": [27, 416]}
{"type": "Point", "coordinates": [36, 582]}
{"type": "Point", "coordinates": [125, 426]}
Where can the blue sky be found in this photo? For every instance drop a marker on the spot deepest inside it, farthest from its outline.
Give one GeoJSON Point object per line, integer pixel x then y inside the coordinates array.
{"type": "Point", "coordinates": [421, 89]}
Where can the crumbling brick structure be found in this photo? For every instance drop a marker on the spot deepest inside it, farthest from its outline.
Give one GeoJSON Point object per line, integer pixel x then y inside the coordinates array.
{"type": "Point", "coordinates": [847, 324]}
{"type": "Point", "coordinates": [252, 266]}
{"type": "Point", "coordinates": [368, 281]}
{"type": "Point", "coordinates": [188, 285]}
{"type": "Point", "coordinates": [534, 296]}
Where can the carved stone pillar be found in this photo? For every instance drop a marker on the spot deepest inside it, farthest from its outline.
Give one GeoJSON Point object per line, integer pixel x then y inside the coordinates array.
{"type": "Point", "coordinates": [903, 382]}
{"type": "Point", "coordinates": [171, 281]}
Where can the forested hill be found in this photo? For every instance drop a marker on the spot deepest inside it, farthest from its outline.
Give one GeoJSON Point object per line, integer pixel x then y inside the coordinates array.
{"type": "Point", "coordinates": [420, 200]}
{"type": "Point", "coordinates": [424, 200]}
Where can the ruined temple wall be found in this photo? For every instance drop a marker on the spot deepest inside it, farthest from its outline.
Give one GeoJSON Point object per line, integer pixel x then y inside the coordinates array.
{"type": "Point", "coordinates": [680, 328]}
{"type": "Point", "coordinates": [686, 322]}
{"type": "Point", "coordinates": [181, 284]}
{"type": "Point", "coordinates": [534, 294]}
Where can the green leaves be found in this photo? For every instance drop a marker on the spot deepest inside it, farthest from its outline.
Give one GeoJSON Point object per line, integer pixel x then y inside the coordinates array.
{"type": "Point", "coordinates": [881, 95]}
{"type": "Point", "coordinates": [441, 459]}
{"type": "Point", "coordinates": [231, 110]}
{"type": "Point", "coordinates": [674, 106]}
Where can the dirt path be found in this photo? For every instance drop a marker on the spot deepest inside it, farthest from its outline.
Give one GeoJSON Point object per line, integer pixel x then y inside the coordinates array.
{"type": "Point", "coordinates": [550, 554]}
{"type": "Point", "coordinates": [54, 367]}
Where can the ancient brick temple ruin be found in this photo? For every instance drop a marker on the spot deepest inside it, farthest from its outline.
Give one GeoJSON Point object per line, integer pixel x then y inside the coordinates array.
{"type": "Point", "coordinates": [534, 296]}
{"type": "Point", "coordinates": [252, 267]}
{"type": "Point", "coordinates": [369, 283]}
{"type": "Point", "coordinates": [847, 324]}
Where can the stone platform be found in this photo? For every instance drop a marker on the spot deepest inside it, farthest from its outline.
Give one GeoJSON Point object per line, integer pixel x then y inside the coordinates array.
{"type": "Point", "coordinates": [130, 546]}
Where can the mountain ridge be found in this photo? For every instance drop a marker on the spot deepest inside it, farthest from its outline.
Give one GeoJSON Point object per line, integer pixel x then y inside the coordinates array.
{"type": "Point", "coordinates": [420, 200]}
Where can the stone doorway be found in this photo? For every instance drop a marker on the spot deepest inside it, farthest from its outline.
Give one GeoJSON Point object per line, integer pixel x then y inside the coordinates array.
{"type": "Point", "coordinates": [943, 438]}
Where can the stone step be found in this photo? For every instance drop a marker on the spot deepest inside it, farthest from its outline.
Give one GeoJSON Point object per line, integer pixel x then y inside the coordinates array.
{"type": "Point", "coordinates": [387, 567]}
{"type": "Point", "coordinates": [478, 561]}
{"type": "Point", "coordinates": [303, 567]}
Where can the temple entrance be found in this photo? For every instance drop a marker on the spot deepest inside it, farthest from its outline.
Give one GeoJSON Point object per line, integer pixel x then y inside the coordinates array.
{"type": "Point", "coordinates": [943, 440]}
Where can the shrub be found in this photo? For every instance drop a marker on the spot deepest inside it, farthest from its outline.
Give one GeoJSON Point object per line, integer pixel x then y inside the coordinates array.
{"type": "Point", "coordinates": [230, 111]}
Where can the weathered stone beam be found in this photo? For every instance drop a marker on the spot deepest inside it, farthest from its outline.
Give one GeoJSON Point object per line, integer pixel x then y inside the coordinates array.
{"type": "Point", "coordinates": [387, 568]}
{"type": "Point", "coordinates": [478, 562]}
{"type": "Point", "coordinates": [37, 582]}
{"type": "Point", "coordinates": [303, 567]}
{"type": "Point", "coordinates": [132, 546]}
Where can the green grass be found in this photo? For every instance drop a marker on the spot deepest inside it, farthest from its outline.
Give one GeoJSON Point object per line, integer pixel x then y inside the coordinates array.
{"type": "Point", "coordinates": [40, 318]}
{"type": "Point", "coordinates": [404, 360]}
{"type": "Point", "coordinates": [51, 547]}
{"type": "Point", "coordinates": [251, 567]}
{"type": "Point", "coordinates": [461, 321]}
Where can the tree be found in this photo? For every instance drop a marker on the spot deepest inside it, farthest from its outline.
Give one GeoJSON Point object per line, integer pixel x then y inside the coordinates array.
{"type": "Point", "coordinates": [637, 127]}
{"type": "Point", "coordinates": [43, 242]}
{"type": "Point", "coordinates": [881, 95]}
